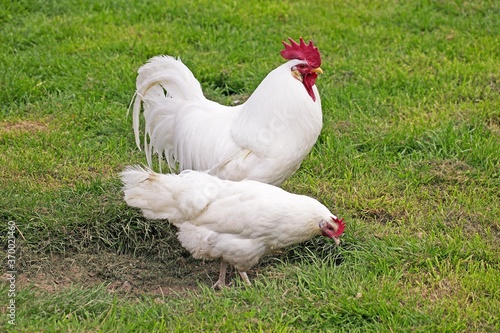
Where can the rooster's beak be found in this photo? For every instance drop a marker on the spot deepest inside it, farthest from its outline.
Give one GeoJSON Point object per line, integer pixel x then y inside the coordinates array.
{"type": "Point", "coordinates": [317, 70]}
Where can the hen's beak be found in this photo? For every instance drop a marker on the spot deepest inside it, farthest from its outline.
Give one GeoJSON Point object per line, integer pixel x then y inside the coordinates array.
{"type": "Point", "coordinates": [317, 70]}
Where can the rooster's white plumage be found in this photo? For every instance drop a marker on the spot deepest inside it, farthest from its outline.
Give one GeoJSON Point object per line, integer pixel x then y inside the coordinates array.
{"type": "Point", "coordinates": [264, 139]}
{"type": "Point", "coordinates": [238, 222]}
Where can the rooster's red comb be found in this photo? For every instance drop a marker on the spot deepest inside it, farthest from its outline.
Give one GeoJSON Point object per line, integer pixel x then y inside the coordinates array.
{"type": "Point", "coordinates": [302, 51]}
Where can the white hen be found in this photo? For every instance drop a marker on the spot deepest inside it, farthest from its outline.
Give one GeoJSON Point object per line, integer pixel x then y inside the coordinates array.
{"type": "Point", "coordinates": [238, 222]}
{"type": "Point", "coordinates": [265, 139]}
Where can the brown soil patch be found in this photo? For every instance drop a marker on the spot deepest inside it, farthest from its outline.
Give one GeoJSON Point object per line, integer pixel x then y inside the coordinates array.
{"type": "Point", "coordinates": [123, 274]}
{"type": "Point", "coordinates": [22, 126]}
{"type": "Point", "coordinates": [136, 275]}
{"type": "Point", "coordinates": [120, 273]}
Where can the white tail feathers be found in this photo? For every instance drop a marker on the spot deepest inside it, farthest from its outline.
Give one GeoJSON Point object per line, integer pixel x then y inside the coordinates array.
{"type": "Point", "coordinates": [177, 198]}
{"type": "Point", "coordinates": [147, 190]}
{"type": "Point", "coordinates": [132, 176]}
{"type": "Point", "coordinates": [172, 75]}
{"type": "Point", "coordinates": [162, 83]}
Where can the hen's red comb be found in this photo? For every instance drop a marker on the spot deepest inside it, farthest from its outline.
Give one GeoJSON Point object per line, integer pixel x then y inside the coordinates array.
{"type": "Point", "coordinates": [302, 51]}
{"type": "Point", "coordinates": [341, 224]}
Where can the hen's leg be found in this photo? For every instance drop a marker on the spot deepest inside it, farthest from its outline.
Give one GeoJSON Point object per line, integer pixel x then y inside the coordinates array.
{"type": "Point", "coordinates": [245, 278]}
{"type": "Point", "coordinates": [221, 282]}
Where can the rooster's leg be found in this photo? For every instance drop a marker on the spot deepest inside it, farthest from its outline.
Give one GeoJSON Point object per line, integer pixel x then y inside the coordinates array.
{"type": "Point", "coordinates": [245, 278]}
{"type": "Point", "coordinates": [221, 282]}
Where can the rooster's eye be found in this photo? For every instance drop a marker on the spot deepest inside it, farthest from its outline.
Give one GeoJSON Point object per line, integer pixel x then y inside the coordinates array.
{"type": "Point", "coordinates": [299, 67]}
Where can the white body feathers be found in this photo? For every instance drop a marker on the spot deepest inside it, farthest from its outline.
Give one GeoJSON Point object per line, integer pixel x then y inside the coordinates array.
{"type": "Point", "coordinates": [264, 139]}
{"type": "Point", "coordinates": [238, 222]}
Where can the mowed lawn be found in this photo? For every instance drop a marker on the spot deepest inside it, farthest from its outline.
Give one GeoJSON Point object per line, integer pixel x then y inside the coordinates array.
{"type": "Point", "coordinates": [409, 156]}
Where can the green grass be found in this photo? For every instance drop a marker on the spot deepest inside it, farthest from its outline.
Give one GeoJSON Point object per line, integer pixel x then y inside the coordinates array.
{"type": "Point", "coordinates": [409, 155]}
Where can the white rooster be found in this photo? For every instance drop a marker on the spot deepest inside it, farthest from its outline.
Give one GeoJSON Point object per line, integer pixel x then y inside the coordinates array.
{"type": "Point", "coordinates": [238, 222]}
{"type": "Point", "coordinates": [264, 139]}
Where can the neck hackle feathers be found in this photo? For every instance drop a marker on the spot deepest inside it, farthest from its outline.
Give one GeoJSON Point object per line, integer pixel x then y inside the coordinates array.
{"type": "Point", "coordinates": [302, 51]}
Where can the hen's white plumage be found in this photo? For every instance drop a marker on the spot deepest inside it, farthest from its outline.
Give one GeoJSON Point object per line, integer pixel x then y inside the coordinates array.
{"type": "Point", "coordinates": [265, 139]}
{"type": "Point", "coordinates": [238, 222]}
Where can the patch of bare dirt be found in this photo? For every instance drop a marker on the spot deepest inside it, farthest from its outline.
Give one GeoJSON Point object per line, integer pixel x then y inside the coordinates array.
{"type": "Point", "coordinates": [121, 273]}
{"type": "Point", "coordinates": [125, 274]}
{"type": "Point", "coordinates": [22, 126]}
